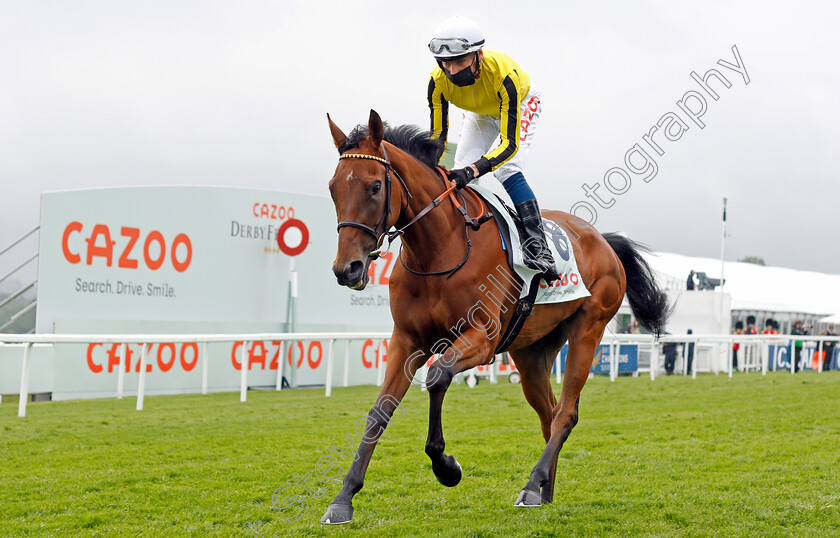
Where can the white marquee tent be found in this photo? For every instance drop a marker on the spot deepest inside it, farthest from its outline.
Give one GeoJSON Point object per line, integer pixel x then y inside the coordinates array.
{"type": "Point", "coordinates": [755, 287]}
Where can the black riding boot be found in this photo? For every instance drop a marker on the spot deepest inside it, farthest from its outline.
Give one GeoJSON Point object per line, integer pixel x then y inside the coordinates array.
{"type": "Point", "coordinates": [535, 250]}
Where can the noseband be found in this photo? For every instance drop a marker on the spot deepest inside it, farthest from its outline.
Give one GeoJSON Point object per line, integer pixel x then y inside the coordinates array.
{"type": "Point", "coordinates": [383, 222]}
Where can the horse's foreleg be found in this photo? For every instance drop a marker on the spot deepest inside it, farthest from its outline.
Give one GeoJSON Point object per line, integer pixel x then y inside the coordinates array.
{"type": "Point", "coordinates": [446, 468]}
{"type": "Point", "coordinates": [459, 357]}
{"type": "Point", "coordinates": [399, 373]}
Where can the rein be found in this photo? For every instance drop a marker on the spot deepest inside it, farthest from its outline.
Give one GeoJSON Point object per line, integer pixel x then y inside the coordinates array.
{"type": "Point", "coordinates": [474, 223]}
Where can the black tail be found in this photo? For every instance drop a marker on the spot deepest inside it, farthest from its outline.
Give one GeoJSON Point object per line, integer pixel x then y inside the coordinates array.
{"type": "Point", "coordinates": [648, 303]}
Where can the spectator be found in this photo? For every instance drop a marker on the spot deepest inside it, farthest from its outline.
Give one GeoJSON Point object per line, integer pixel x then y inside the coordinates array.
{"type": "Point", "coordinates": [751, 326]}
{"type": "Point", "coordinates": [632, 327]}
{"type": "Point", "coordinates": [739, 329]}
{"type": "Point", "coordinates": [798, 330]}
{"type": "Point", "coordinates": [689, 355]}
{"type": "Point", "coordinates": [818, 355]}
{"type": "Point", "coordinates": [770, 327]}
{"type": "Point", "coordinates": [689, 283]}
{"type": "Point", "coordinates": [828, 348]}
{"type": "Point", "coordinates": [670, 351]}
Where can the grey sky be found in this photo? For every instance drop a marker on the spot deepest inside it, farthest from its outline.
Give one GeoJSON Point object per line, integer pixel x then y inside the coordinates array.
{"type": "Point", "coordinates": [97, 93]}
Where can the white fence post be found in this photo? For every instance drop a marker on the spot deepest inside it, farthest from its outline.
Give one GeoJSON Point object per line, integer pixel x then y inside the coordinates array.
{"type": "Point", "coordinates": [654, 359]}
{"type": "Point", "coordinates": [347, 363]}
{"type": "Point", "coordinates": [765, 353]}
{"type": "Point", "coordinates": [694, 359]}
{"type": "Point", "coordinates": [243, 374]}
{"type": "Point", "coordinates": [729, 354]}
{"type": "Point", "coordinates": [141, 380]}
{"type": "Point", "coordinates": [279, 383]}
{"type": "Point", "coordinates": [24, 380]}
{"type": "Point", "coordinates": [204, 367]}
{"type": "Point", "coordinates": [121, 371]}
{"type": "Point", "coordinates": [792, 355]}
{"type": "Point", "coordinates": [328, 383]}
{"type": "Point", "coordinates": [617, 358]}
{"type": "Point", "coordinates": [820, 357]}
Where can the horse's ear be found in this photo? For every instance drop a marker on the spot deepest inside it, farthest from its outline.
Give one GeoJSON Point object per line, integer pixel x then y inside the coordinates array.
{"type": "Point", "coordinates": [375, 128]}
{"type": "Point", "coordinates": [338, 136]}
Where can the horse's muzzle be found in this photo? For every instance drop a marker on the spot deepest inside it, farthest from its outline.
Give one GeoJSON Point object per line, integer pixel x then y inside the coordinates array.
{"type": "Point", "coordinates": [353, 275]}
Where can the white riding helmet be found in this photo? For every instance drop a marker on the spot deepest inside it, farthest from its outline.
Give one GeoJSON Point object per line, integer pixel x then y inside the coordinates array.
{"type": "Point", "coordinates": [456, 37]}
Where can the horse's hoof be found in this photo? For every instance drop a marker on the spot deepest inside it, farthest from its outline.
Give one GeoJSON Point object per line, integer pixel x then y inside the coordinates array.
{"type": "Point", "coordinates": [448, 474]}
{"type": "Point", "coordinates": [528, 499]}
{"type": "Point", "coordinates": [337, 514]}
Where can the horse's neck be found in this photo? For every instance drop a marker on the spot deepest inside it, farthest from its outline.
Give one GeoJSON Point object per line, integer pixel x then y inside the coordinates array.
{"type": "Point", "coordinates": [434, 234]}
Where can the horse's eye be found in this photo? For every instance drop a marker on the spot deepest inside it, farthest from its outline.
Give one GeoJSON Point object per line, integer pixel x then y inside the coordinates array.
{"type": "Point", "coordinates": [376, 187]}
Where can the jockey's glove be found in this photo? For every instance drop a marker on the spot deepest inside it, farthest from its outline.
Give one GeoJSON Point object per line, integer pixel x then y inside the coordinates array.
{"type": "Point", "coordinates": [462, 176]}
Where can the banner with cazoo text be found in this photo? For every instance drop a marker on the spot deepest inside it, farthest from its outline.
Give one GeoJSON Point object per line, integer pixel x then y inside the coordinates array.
{"type": "Point", "coordinates": [197, 260]}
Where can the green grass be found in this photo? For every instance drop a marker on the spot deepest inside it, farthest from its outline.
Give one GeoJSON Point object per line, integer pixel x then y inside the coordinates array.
{"type": "Point", "coordinates": [750, 456]}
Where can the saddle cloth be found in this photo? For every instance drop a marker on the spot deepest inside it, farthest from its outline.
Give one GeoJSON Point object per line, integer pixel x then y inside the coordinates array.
{"type": "Point", "coordinates": [566, 288]}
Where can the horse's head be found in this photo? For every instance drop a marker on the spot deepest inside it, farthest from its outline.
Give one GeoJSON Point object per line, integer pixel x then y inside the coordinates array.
{"type": "Point", "coordinates": [361, 191]}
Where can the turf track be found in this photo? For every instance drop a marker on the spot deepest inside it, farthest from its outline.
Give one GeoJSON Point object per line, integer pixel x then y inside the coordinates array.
{"type": "Point", "coordinates": [753, 455]}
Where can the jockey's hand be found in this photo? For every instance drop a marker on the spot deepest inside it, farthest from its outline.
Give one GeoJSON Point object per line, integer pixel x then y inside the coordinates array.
{"type": "Point", "coordinates": [462, 176]}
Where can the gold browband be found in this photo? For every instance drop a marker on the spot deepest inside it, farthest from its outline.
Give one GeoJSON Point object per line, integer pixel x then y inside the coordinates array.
{"type": "Point", "coordinates": [363, 156]}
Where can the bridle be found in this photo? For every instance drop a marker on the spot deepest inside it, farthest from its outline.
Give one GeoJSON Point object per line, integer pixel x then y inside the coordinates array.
{"type": "Point", "coordinates": [383, 221]}
{"type": "Point", "coordinates": [473, 223]}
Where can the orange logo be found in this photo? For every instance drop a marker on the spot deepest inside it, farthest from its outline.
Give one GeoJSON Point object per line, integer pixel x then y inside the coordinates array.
{"type": "Point", "coordinates": [99, 244]}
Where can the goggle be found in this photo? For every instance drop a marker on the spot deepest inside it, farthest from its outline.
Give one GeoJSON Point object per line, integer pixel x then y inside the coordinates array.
{"type": "Point", "coordinates": [455, 45]}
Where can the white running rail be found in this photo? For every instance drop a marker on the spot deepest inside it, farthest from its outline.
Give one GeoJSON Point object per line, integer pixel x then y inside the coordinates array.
{"type": "Point", "coordinates": [760, 345]}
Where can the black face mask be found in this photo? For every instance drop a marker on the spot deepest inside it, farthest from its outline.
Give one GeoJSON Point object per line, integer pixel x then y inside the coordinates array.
{"type": "Point", "coordinates": [464, 77]}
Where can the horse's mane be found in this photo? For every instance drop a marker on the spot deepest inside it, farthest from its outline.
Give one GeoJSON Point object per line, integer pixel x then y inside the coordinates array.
{"type": "Point", "coordinates": [409, 138]}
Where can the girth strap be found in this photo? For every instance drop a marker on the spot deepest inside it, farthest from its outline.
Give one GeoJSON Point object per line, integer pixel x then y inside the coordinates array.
{"type": "Point", "coordinates": [523, 310]}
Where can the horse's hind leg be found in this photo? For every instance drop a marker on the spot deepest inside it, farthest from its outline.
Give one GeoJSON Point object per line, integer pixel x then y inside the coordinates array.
{"type": "Point", "coordinates": [564, 418]}
{"type": "Point", "coordinates": [534, 364]}
{"type": "Point", "coordinates": [586, 329]}
{"type": "Point", "coordinates": [456, 359]}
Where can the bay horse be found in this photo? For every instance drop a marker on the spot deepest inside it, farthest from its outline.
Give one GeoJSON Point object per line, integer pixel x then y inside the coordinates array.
{"type": "Point", "coordinates": [442, 305]}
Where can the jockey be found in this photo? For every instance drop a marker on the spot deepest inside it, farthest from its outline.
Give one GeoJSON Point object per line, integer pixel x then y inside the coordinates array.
{"type": "Point", "coordinates": [501, 109]}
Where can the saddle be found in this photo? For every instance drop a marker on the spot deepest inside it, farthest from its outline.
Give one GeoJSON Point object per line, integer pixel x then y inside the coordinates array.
{"type": "Point", "coordinates": [525, 305]}
{"type": "Point", "coordinates": [566, 288]}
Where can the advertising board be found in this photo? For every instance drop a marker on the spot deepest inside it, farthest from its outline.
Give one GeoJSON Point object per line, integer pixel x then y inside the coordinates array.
{"type": "Point", "coordinates": [193, 259]}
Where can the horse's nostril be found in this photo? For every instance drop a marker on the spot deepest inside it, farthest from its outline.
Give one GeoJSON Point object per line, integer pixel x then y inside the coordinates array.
{"type": "Point", "coordinates": [350, 274]}
{"type": "Point", "coordinates": [354, 271]}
